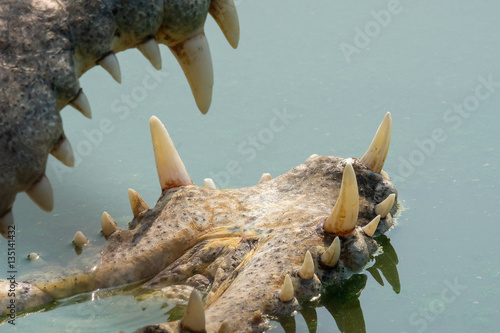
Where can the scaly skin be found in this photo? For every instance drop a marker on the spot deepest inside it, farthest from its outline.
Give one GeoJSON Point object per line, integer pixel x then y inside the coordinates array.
{"type": "Point", "coordinates": [244, 241]}
{"type": "Point", "coordinates": [47, 45]}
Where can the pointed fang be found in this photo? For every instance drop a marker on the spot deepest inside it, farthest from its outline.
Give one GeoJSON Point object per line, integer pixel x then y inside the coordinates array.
{"type": "Point", "coordinates": [41, 193]}
{"type": "Point", "coordinates": [81, 103]}
{"type": "Point", "coordinates": [224, 327]}
{"type": "Point", "coordinates": [108, 225]}
{"type": "Point", "coordinates": [194, 318]}
{"type": "Point", "coordinates": [286, 293]}
{"type": "Point", "coordinates": [194, 57]}
{"type": "Point", "coordinates": [307, 270]}
{"type": "Point", "coordinates": [344, 216]}
{"type": "Point", "coordinates": [385, 206]}
{"type": "Point", "coordinates": [171, 170]}
{"type": "Point", "coordinates": [265, 177]}
{"type": "Point", "coordinates": [209, 183]}
{"type": "Point", "coordinates": [137, 204]}
{"type": "Point", "coordinates": [63, 152]}
{"type": "Point", "coordinates": [151, 51]}
{"type": "Point", "coordinates": [331, 256]}
{"type": "Point", "coordinates": [80, 240]}
{"type": "Point", "coordinates": [111, 65]}
{"type": "Point", "coordinates": [225, 14]}
{"type": "Point", "coordinates": [371, 227]}
{"type": "Point", "coordinates": [374, 157]}
{"type": "Point", "coordinates": [6, 221]}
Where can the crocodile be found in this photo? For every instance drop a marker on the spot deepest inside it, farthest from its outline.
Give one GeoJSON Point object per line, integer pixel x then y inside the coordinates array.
{"type": "Point", "coordinates": [254, 252]}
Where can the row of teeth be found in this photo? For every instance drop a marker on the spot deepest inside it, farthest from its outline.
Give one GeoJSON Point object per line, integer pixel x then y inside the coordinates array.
{"type": "Point", "coordinates": [195, 60]}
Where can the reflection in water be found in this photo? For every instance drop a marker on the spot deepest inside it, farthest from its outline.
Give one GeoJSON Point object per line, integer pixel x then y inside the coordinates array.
{"type": "Point", "coordinates": [341, 300]}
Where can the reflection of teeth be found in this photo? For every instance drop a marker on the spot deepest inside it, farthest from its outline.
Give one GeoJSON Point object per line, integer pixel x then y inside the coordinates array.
{"type": "Point", "coordinates": [385, 206]}
{"type": "Point", "coordinates": [194, 318]}
{"type": "Point", "coordinates": [224, 13]}
{"type": "Point", "coordinates": [344, 216]}
{"type": "Point", "coordinates": [265, 177]}
{"type": "Point", "coordinates": [209, 183]}
{"type": "Point", "coordinates": [307, 270]}
{"type": "Point", "coordinates": [5, 222]}
{"type": "Point", "coordinates": [111, 65]}
{"type": "Point", "coordinates": [374, 157]}
{"type": "Point", "coordinates": [331, 256]}
{"type": "Point", "coordinates": [108, 225]}
{"type": "Point", "coordinates": [151, 51]}
{"type": "Point", "coordinates": [224, 327]}
{"type": "Point", "coordinates": [63, 152]}
{"type": "Point", "coordinates": [81, 103]}
{"type": "Point", "coordinates": [171, 170]}
{"type": "Point", "coordinates": [371, 227]}
{"type": "Point", "coordinates": [80, 240]}
{"type": "Point", "coordinates": [137, 204]}
{"type": "Point", "coordinates": [41, 193]}
{"type": "Point", "coordinates": [287, 293]}
{"type": "Point", "coordinates": [194, 57]}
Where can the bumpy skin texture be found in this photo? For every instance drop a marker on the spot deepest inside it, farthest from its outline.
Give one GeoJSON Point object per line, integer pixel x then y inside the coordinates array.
{"type": "Point", "coordinates": [243, 241]}
{"type": "Point", "coordinates": [45, 46]}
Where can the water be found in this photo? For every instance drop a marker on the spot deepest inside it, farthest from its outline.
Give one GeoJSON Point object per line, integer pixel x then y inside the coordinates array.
{"type": "Point", "coordinates": [418, 64]}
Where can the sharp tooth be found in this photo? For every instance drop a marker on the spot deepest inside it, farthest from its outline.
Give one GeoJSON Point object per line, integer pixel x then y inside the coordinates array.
{"type": "Point", "coordinates": [287, 293]}
{"type": "Point", "coordinates": [224, 327]}
{"type": "Point", "coordinates": [385, 206]}
{"type": "Point", "coordinates": [307, 270]}
{"type": "Point", "coordinates": [108, 225]}
{"type": "Point", "coordinates": [344, 216]}
{"type": "Point", "coordinates": [194, 57]}
{"type": "Point", "coordinates": [137, 204]}
{"type": "Point", "coordinates": [63, 152]}
{"type": "Point", "coordinates": [371, 227]}
{"type": "Point", "coordinates": [5, 222]}
{"type": "Point", "coordinates": [209, 183]}
{"type": "Point", "coordinates": [224, 13]}
{"type": "Point", "coordinates": [81, 103]}
{"type": "Point", "coordinates": [110, 64]}
{"type": "Point", "coordinates": [331, 256]}
{"type": "Point", "coordinates": [41, 193]}
{"type": "Point", "coordinates": [151, 51]}
{"type": "Point", "coordinates": [194, 318]}
{"type": "Point", "coordinates": [265, 177]}
{"type": "Point", "coordinates": [171, 170]}
{"type": "Point", "coordinates": [374, 157]}
{"type": "Point", "coordinates": [80, 240]}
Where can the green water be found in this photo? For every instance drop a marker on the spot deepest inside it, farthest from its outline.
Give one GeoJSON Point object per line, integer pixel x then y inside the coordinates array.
{"type": "Point", "coordinates": [420, 64]}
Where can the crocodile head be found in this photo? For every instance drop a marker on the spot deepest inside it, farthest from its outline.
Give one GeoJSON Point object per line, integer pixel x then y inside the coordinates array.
{"type": "Point", "coordinates": [48, 44]}
{"type": "Point", "coordinates": [259, 249]}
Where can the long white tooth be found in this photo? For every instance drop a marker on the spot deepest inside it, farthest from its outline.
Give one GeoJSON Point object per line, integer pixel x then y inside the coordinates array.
{"type": "Point", "coordinates": [151, 51]}
{"type": "Point", "coordinates": [385, 206]}
{"type": "Point", "coordinates": [209, 183]}
{"type": "Point", "coordinates": [306, 272]}
{"type": "Point", "coordinates": [108, 225]}
{"type": "Point", "coordinates": [41, 193]}
{"type": "Point", "coordinates": [224, 327]}
{"type": "Point", "coordinates": [171, 170]}
{"type": "Point", "coordinates": [194, 57]}
{"type": "Point", "coordinates": [6, 221]}
{"type": "Point", "coordinates": [265, 177]}
{"type": "Point", "coordinates": [344, 216]}
{"type": "Point", "coordinates": [81, 103]}
{"type": "Point", "coordinates": [286, 293]}
{"type": "Point", "coordinates": [374, 157]}
{"type": "Point", "coordinates": [371, 227]}
{"type": "Point", "coordinates": [80, 240]}
{"type": "Point", "coordinates": [137, 204]}
{"type": "Point", "coordinates": [194, 318]}
{"type": "Point", "coordinates": [110, 64]}
{"type": "Point", "coordinates": [225, 14]}
{"type": "Point", "coordinates": [331, 256]}
{"type": "Point", "coordinates": [64, 153]}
